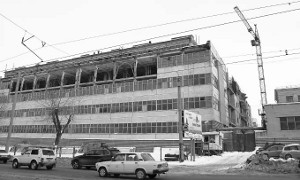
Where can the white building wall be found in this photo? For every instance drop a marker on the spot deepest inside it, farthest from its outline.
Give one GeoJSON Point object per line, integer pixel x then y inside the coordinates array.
{"type": "Point", "coordinates": [274, 112]}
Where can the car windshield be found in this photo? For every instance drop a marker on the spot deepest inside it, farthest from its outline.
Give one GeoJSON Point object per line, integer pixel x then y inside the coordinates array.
{"type": "Point", "coordinates": [48, 152]}
{"type": "Point", "coordinates": [147, 157]}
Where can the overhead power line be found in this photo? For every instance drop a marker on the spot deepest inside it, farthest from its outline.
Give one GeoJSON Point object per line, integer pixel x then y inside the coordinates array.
{"type": "Point", "coordinates": [266, 52]}
{"type": "Point", "coordinates": [20, 27]}
{"type": "Point", "coordinates": [147, 27]}
{"type": "Point", "coordinates": [177, 33]}
{"type": "Point", "coordinates": [139, 41]}
{"type": "Point", "coordinates": [173, 22]}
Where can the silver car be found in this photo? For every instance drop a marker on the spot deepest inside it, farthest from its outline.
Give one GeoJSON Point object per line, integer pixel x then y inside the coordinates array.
{"type": "Point", "coordinates": [291, 151]}
{"type": "Point", "coordinates": [272, 151]}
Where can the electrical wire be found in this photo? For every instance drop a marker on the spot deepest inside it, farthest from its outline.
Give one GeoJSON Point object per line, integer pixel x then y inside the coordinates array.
{"type": "Point", "coordinates": [185, 31]}
{"type": "Point", "coordinates": [152, 26]}
{"type": "Point", "coordinates": [173, 22]}
{"type": "Point", "coordinates": [30, 34]}
{"type": "Point", "coordinates": [266, 52]}
{"type": "Point", "coordinates": [177, 33]}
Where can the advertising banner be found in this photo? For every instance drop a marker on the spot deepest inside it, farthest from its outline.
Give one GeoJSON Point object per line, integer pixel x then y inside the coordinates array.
{"type": "Point", "coordinates": [193, 122]}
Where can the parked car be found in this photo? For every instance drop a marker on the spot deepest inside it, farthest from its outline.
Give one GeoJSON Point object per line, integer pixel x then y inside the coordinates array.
{"type": "Point", "coordinates": [35, 158]}
{"type": "Point", "coordinates": [139, 164]}
{"type": "Point", "coordinates": [273, 151]}
{"type": "Point", "coordinates": [90, 158]}
{"type": "Point", "coordinates": [4, 156]}
{"type": "Point", "coordinates": [291, 151]}
{"type": "Point", "coordinates": [267, 145]}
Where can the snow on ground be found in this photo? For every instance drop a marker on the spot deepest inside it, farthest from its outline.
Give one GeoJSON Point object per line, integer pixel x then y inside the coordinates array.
{"type": "Point", "coordinates": [226, 158]}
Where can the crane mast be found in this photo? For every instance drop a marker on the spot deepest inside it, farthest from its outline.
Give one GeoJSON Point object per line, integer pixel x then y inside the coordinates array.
{"type": "Point", "coordinates": [256, 42]}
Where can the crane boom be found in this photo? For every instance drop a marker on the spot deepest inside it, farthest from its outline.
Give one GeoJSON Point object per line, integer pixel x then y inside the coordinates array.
{"type": "Point", "coordinates": [249, 28]}
{"type": "Point", "coordinates": [257, 44]}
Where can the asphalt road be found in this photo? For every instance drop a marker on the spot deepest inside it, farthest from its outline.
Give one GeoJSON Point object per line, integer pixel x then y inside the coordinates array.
{"type": "Point", "coordinates": [67, 173]}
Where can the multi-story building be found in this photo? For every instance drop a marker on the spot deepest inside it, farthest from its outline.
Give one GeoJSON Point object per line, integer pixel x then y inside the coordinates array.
{"type": "Point", "coordinates": [238, 108]}
{"type": "Point", "coordinates": [124, 94]}
{"type": "Point", "coordinates": [283, 118]}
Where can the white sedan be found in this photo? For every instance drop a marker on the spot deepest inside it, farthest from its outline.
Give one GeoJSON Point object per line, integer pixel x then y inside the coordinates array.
{"type": "Point", "coordinates": [139, 164]}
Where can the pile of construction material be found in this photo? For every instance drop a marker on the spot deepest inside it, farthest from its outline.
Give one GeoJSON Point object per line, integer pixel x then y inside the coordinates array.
{"type": "Point", "coordinates": [258, 163]}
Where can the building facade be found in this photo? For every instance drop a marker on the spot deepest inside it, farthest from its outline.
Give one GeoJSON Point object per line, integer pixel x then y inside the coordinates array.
{"type": "Point", "coordinates": [238, 108]}
{"type": "Point", "coordinates": [123, 94]}
{"type": "Point", "coordinates": [283, 118]}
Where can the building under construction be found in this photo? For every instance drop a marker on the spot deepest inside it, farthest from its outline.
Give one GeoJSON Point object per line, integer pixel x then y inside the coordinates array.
{"type": "Point", "coordinates": [122, 95]}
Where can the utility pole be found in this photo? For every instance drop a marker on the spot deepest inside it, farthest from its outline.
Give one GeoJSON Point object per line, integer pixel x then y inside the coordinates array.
{"type": "Point", "coordinates": [12, 115]}
{"type": "Point", "coordinates": [180, 129]}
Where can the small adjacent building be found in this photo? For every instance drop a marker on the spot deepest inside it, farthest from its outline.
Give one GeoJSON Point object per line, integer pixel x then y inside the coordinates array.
{"type": "Point", "coordinates": [283, 118]}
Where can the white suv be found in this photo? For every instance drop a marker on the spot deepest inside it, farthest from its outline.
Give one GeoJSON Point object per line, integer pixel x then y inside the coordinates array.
{"type": "Point", "coordinates": [35, 158]}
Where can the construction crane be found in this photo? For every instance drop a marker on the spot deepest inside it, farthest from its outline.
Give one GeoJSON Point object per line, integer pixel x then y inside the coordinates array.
{"type": "Point", "coordinates": [256, 42]}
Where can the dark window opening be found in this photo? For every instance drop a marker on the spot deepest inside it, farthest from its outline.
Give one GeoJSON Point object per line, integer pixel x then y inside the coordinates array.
{"type": "Point", "coordinates": [28, 85]}
{"type": "Point", "coordinates": [54, 81]}
{"type": "Point", "coordinates": [40, 83]}
{"type": "Point", "coordinates": [87, 77]}
{"type": "Point", "coordinates": [104, 76]}
{"type": "Point", "coordinates": [125, 73]}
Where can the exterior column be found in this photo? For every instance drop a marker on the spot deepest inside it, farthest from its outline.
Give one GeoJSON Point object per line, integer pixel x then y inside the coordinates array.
{"type": "Point", "coordinates": [135, 68]}
{"type": "Point", "coordinates": [22, 84]}
{"type": "Point", "coordinates": [78, 77]}
{"type": "Point", "coordinates": [11, 85]}
{"type": "Point", "coordinates": [34, 82]}
{"type": "Point", "coordinates": [95, 74]}
{"type": "Point", "coordinates": [47, 81]}
{"type": "Point", "coordinates": [115, 71]}
{"type": "Point", "coordinates": [62, 79]}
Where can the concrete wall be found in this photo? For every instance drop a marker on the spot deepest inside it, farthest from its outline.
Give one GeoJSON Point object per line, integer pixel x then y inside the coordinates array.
{"type": "Point", "coordinates": [282, 93]}
{"type": "Point", "coordinates": [273, 112]}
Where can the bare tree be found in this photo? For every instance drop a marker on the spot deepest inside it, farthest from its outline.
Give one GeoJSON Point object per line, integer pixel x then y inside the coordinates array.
{"type": "Point", "coordinates": [3, 103]}
{"type": "Point", "coordinates": [60, 111]}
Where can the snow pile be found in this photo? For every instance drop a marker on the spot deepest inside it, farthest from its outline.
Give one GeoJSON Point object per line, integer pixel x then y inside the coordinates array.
{"type": "Point", "coordinates": [226, 158]}
{"type": "Point", "coordinates": [257, 163]}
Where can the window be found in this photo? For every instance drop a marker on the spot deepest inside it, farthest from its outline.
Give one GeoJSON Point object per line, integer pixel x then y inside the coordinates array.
{"type": "Point", "coordinates": [48, 152]}
{"type": "Point", "coordinates": [298, 98]}
{"type": "Point", "coordinates": [131, 157]}
{"type": "Point", "coordinates": [120, 157]}
{"type": "Point", "coordinates": [290, 123]}
{"type": "Point", "coordinates": [289, 98]}
{"type": "Point", "coordinates": [297, 121]}
{"type": "Point", "coordinates": [35, 152]}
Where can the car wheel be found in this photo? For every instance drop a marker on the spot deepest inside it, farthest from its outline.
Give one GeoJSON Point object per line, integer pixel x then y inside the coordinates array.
{"type": "Point", "coordinates": [4, 161]}
{"type": "Point", "coordinates": [33, 165]}
{"type": "Point", "coordinates": [152, 176]}
{"type": "Point", "coordinates": [49, 167]}
{"type": "Point", "coordinates": [265, 157]}
{"type": "Point", "coordinates": [15, 164]}
{"type": "Point", "coordinates": [88, 167]}
{"type": "Point", "coordinates": [116, 175]}
{"type": "Point", "coordinates": [288, 156]}
{"type": "Point", "coordinates": [102, 172]}
{"type": "Point", "coordinates": [76, 165]}
{"type": "Point", "coordinates": [140, 174]}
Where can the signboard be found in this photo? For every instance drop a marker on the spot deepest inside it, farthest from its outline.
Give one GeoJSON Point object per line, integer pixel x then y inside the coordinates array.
{"type": "Point", "coordinates": [193, 122]}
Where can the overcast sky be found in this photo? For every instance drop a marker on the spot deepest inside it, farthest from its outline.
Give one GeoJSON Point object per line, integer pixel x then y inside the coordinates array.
{"type": "Point", "coordinates": [76, 27]}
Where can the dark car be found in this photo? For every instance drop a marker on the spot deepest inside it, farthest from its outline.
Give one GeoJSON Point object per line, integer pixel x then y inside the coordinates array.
{"type": "Point", "coordinates": [267, 145]}
{"type": "Point", "coordinates": [273, 151]}
{"type": "Point", "coordinates": [90, 158]}
{"type": "Point", "coordinates": [4, 156]}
